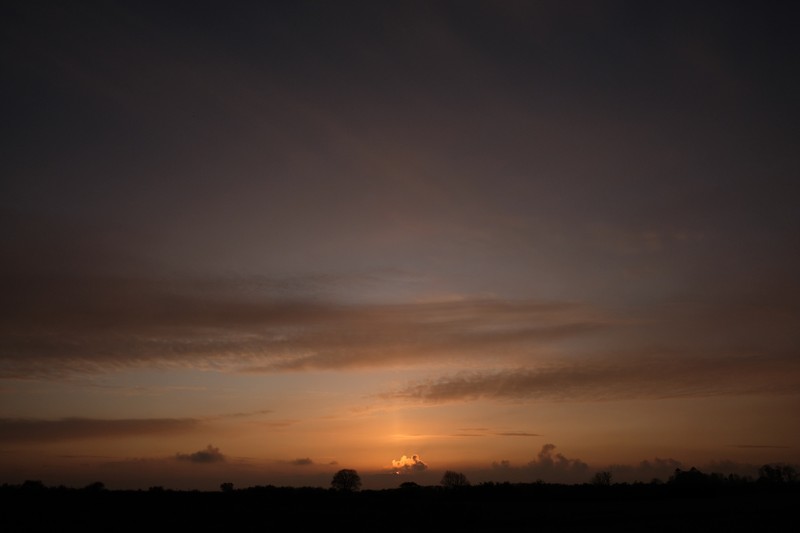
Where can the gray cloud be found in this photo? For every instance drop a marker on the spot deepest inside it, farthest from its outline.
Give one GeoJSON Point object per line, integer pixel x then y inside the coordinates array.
{"type": "Point", "coordinates": [16, 430]}
{"type": "Point", "coordinates": [303, 461]}
{"type": "Point", "coordinates": [209, 455]}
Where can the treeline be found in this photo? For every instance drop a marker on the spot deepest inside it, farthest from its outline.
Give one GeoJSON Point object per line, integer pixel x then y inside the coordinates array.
{"type": "Point", "coordinates": [779, 476]}
{"type": "Point", "coordinates": [690, 500]}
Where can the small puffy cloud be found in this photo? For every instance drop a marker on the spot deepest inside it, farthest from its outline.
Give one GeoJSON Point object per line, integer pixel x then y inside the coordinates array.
{"type": "Point", "coordinates": [209, 455]}
{"type": "Point", "coordinates": [302, 461]}
{"type": "Point", "coordinates": [409, 464]}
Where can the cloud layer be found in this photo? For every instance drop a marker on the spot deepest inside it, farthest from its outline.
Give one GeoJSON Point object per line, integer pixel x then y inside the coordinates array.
{"type": "Point", "coordinates": [54, 326]}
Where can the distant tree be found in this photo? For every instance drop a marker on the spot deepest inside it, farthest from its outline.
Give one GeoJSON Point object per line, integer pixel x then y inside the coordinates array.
{"type": "Point", "coordinates": [689, 478]}
{"type": "Point", "coordinates": [97, 486]}
{"type": "Point", "coordinates": [33, 485]}
{"type": "Point", "coordinates": [602, 479]}
{"type": "Point", "coordinates": [452, 480]}
{"type": "Point", "coordinates": [226, 487]}
{"type": "Point", "coordinates": [346, 480]}
{"type": "Point", "coordinates": [409, 485]}
{"type": "Point", "coordinates": [777, 474]}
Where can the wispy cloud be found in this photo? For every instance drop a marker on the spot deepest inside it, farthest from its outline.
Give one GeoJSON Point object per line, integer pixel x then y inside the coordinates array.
{"type": "Point", "coordinates": [756, 446]}
{"type": "Point", "coordinates": [15, 430]}
{"type": "Point", "coordinates": [55, 326]}
{"type": "Point", "coordinates": [614, 379]}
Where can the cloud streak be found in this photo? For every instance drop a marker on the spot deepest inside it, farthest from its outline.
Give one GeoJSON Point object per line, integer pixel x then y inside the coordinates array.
{"type": "Point", "coordinates": [15, 430]}
{"type": "Point", "coordinates": [56, 326]}
{"type": "Point", "coordinates": [614, 379]}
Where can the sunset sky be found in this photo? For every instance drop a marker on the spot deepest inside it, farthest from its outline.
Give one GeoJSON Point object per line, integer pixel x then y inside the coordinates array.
{"type": "Point", "coordinates": [258, 242]}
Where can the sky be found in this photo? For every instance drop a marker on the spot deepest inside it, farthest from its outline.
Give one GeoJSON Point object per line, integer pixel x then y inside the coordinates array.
{"type": "Point", "coordinates": [259, 242]}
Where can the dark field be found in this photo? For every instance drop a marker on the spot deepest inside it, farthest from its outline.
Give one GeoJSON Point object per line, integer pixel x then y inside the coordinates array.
{"type": "Point", "coordinates": [488, 507]}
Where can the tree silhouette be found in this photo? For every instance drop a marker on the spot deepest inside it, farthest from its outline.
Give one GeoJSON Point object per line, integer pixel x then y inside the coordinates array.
{"type": "Point", "coordinates": [777, 474]}
{"type": "Point", "coordinates": [452, 480]}
{"type": "Point", "coordinates": [226, 487]}
{"type": "Point", "coordinates": [346, 480]}
{"type": "Point", "coordinates": [602, 479]}
{"type": "Point", "coordinates": [97, 486]}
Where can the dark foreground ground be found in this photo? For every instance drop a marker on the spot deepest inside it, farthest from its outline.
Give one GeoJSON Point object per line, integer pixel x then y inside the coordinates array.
{"type": "Point", "coordinates": [501, 507]}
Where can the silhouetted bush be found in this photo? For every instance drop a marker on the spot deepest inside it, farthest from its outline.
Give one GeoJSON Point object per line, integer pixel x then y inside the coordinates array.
{"type": "Point", "coordinates": [452, 480]}
{"type": "Point", "coordinates": [777, 474]}
{"type": "Point", "coordinates": [346, 480]}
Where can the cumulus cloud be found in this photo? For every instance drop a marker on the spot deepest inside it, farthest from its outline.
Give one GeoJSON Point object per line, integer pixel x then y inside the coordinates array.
{"type": "Point", "coordinates": [409, 464]}
{"type": "Point", "coordinates": [547, 466]}
{"type": "Point", "coordinates": [37, 430]}
{"type": "Point", "coordinates": [209, 455]}
{"type": "Point", "coordinates": [548, 463]}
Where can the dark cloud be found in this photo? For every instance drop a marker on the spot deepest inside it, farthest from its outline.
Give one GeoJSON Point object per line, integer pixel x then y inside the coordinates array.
{"type": "Point", "coordinates": [15, 430]}
{"type": "Point", "coordinates": [518, 434]}
{"type": "Point", "coordinates": [209, 455]}
{"type": "Point", "coordinates": [303, 461]}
